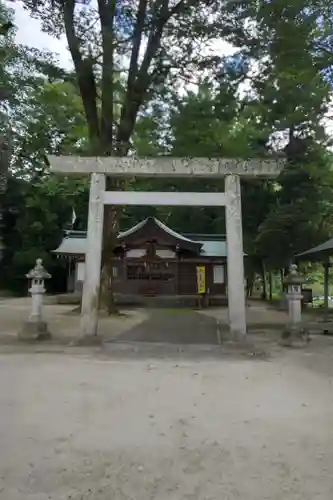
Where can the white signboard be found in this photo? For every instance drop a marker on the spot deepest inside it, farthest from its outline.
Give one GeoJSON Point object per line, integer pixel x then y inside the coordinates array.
{"type": "Point", "coordinates": [135, 253]}
{"type": "Point", "coordinates": [80, 270]}
{"type": "Point", "coordinates": [218, 274]}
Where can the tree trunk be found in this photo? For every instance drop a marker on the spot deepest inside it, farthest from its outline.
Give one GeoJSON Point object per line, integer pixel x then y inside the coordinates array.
{"type": "Point", "coordinates": [104, 140]}
{"type": "Point", "coordinates": [285, 273]}
{"type": "Point", "coordinates": [5, 157]}
{"type": "Point", "coordinates": [110, 231]}
{"type": "Point", "coordinates": [282, 279]}
{"type": "Point", "coordinates": [264, 284]}
{"type": "Point", "coordinates": [249, 284]}
{"type": "Point", "coordinates": [107, 299]}
{"type": "Point", "coordinates": [270, 279]}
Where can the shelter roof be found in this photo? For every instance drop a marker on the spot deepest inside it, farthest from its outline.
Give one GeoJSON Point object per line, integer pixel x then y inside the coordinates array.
{"type": "Point", "coordinates": [319, 252]}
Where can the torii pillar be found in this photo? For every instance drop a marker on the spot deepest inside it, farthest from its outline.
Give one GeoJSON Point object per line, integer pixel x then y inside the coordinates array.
{"type": "Point", "coordinates": [235, 257]}
{"type": "Point", "coordinates": [167, 167]}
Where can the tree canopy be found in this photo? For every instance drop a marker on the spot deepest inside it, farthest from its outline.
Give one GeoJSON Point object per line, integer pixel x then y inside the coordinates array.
{"type": "Point", "coordinates": [148, 79]}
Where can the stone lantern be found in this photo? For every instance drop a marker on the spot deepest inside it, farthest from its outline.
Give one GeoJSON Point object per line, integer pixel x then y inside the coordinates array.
{"type": "Point", "coordinates": [36, 327]}
{"type": "Point", "coordinates": [294, 297]}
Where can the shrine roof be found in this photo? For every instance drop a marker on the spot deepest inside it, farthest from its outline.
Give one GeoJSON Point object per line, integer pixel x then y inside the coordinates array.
{"type": "Point", "coordinates": [71, 245]}
{"type": "Point", "coordinates": [213, 249]}
{"type": "Point", "coordinates": [75, 242]}
{"type": "Point", "coordinates": [159, 224]}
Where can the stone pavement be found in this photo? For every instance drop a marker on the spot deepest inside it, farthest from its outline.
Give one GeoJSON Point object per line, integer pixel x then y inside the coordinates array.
{"type": "Point", "coordinates": [174, 326]}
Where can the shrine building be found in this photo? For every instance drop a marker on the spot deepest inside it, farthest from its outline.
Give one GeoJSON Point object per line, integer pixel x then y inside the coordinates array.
{"type": "Point", "coordinates": [151, 259]}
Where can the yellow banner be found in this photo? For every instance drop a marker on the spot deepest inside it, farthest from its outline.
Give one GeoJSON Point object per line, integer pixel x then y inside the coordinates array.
{"type": "Point", "coordinates": [201, 279]}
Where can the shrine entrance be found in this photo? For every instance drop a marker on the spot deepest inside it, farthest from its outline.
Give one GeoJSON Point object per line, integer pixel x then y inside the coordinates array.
{"type": "Point", "coordinates": [151, 278]}
{"type": "Point", "coordinates": [230, 169]}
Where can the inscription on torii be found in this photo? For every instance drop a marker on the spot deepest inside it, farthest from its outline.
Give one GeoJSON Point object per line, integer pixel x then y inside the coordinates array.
{"type": "Point", "coordinates": [166, 166]}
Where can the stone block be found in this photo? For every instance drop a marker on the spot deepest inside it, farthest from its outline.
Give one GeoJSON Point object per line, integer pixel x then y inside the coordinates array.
{"type": "Point", "coordinates": [34, 330]}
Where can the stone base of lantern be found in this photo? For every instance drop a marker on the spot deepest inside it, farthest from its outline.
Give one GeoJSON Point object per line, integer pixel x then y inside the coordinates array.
{"type": "Point", "coordinates": [294, 335]}
{"type": "Point", "coordinates": [34, 330]}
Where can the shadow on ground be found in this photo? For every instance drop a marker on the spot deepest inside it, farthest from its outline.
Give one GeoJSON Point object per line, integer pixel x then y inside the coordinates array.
{"type": "Point", "coordinates": [173, 326]}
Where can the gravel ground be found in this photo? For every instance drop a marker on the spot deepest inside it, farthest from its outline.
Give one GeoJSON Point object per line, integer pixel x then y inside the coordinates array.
{"type": "Point", "coordinates": [91, 427]}
{"type": "Point", "coordinates": [63, 323]}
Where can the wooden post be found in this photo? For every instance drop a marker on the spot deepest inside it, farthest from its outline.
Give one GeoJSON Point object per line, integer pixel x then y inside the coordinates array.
{"type": "Point", "coordinates": [236, 292]}
{"type": "Point", "coordinates": [91, 285]}
{"type": "Point", "coordinates": [326, 289]}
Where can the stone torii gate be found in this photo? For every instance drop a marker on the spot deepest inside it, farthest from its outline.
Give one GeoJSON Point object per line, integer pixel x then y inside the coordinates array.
{"type": "Point", "coordinates": [231, 169]}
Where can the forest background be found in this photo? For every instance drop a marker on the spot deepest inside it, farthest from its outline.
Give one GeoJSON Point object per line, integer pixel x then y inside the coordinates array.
{"type": "Point", "coordinates": [145, 79]}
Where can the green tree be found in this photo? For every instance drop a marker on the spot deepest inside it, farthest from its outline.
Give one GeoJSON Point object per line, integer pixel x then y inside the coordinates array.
{"type": "Point", "coordinates": [35, 215]}
{"type": "Point", "coordinates": [51, 121]}
{"type": "Point", "coordinates": [162, 41]}
{"type": "Point", "coordinates": [215, 120]}
{"type": "Point", "coordinates": [41, 113]}
{"type": "Point", "coordinates": [302, 217]}
{"type": "Point", "coordinates": [292, 47]}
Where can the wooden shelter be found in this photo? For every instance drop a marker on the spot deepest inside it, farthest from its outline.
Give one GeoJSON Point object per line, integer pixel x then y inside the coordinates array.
{"type": "Point", "coordinates": [321, 253]}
